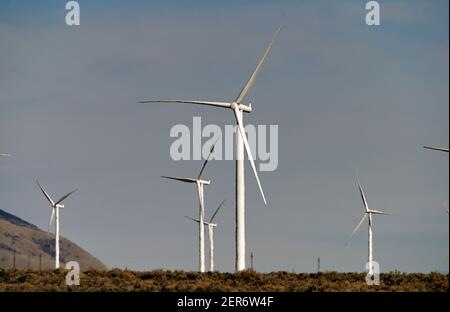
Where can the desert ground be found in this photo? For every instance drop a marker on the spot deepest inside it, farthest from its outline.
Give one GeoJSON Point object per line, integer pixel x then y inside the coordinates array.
{"type": "Point", "coordinates": [179, 281]}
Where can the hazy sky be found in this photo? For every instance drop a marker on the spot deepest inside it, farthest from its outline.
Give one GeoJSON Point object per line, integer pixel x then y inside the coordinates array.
{"type": "Point", "coordinates": [347, 98]}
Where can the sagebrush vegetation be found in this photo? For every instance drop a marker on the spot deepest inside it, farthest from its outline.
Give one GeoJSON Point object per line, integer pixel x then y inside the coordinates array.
{"type": "Point", "coordinates": [173, 281]}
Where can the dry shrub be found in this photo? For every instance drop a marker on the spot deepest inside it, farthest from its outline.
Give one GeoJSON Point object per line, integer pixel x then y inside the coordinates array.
{"type": "Point", "coordinates": [177, 281]}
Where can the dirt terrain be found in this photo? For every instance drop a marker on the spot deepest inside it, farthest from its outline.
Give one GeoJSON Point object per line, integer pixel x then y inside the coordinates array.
{"type": "Point", "coordinates": [158, 280]}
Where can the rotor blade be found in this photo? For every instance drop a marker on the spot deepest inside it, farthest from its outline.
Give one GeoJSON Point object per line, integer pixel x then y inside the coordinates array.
{"type": "Point", "coordinates": [445, 150]}
{"type": "Point", "coordinates": [249, 152]}
{"type": "Point", "coordinates": [362, 194]}
{"type": "Point", "coordinates": [217, 210]}
{"type": "Point", "coordinates": [207, 159]}
{"type": "Point", "coordinates": [65, 196]}
{"type": "Point", "coordinates": [195, 220]}
{"type": "Point", "coordinates": [207, 103]}
{"type": "Point", "coordinates": [356, 228]}
{"type": "Point", "coordinates": [50, 200]}
{"type": "Point", "coordinates": [188, 180]}
{"type": "Point", "coordinates": [5, 155]}
{"type": "Point", "coordinates": [51, 219]}
{"type": "Point", "coordinates": [255, 73]}
{"type": "Point", "coordinates": [378, 212]}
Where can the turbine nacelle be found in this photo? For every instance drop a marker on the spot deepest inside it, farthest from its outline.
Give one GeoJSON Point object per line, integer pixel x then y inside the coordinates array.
{"type": "Point", "coordinates": [241, 107]}
{"type": "Point", "coordinates": [188, 180]}
{"type": "Point", "coordinates": [210, 222]}
{"type": "Point", "coordinates": [378, 212]}
{"type": "Point", "coordinates": [204, 222]}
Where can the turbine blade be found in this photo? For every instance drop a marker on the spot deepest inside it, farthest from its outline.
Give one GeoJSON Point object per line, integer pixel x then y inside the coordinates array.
{"type": "Point", "coordinates": [362, 194]}
{"type": "Point", "coordinates": [207, 103]}
{"type": "Point", "coordinates": [378, 212]}
{"type": "Point", "coordinates": [255, 73]}
{"type": "Point", "coordinates": [65, 196]}
{"type": "Point", "coordinates": [52, 216]}
{"type": "Point", "coordinates": [207, 159]}
{"type": "Point", "coordinates": [356, 229]}
{"type": "Point", "coordinates": [195, 220]}
{"type": "Point", "coordinates": [217, 210]}
{"type": "Point", "coordinates": [188, 180]}
{"type": "Point", "coordinates": [50, 200]}
{"type": "Point", "coordinates": [249, 152]}
{"type": "Point", "coordinates": [5, 155]}
{"type": "Point", "coordinates": [440, 149]}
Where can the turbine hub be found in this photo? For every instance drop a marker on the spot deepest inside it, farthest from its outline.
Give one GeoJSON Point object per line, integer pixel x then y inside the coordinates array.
{"type": "Point", "coordinates": [204, 182]}
{"type": "Point", "coordinates": [234, 105]}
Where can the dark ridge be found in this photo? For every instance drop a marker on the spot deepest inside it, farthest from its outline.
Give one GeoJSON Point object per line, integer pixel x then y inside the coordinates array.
{"type": "Point", "coordinates": [16, 220]}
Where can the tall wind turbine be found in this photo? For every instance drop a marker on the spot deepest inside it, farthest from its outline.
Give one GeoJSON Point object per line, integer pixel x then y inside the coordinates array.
{"type": "Point", "coordinates": [55, 215]}
{"type": "Point", "coordinates": [238, 109]}
{"type": "Point", "coordinates": [367, 214]}
{"type": "Point", "coordinates": [211, 227]}
{"type": "Point", "coordinates": [439, 149]}
{"type": "Point", "coordinates": [201, 212]}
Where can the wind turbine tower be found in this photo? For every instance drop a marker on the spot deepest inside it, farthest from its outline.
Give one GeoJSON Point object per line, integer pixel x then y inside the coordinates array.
{"type": "Point", "coordinates": [238, 108]}
{"type": "Point", "coordinates": [211, 227]}
{"type": "Point", "coordinates": [55, 215]}
{"type": "Point", "coordinates": [201, 213]}
{"type": "Point", "coordinates": [368, 213]}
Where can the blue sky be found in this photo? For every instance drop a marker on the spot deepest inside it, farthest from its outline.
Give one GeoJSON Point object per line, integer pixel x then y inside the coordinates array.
{"type": "Point", "coordinates": [347, 98]}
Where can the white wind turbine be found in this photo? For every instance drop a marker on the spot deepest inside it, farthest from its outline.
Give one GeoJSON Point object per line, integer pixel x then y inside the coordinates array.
{"type": "Point", "coordinates": [211, 227]}
{"type": "Point", "coordinates": [439, 149]}
{"type": "Point", "coordinates": [367, 214]}
{"type": "Point", "coordinates": [201, 212]}
{"type": "Point", "coordinates": [238, 109]}
{"type": "Point", "coordinates": [55, 215]}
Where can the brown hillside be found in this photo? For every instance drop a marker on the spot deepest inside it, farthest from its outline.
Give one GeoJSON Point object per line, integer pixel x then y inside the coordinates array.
{"type": "Point", "coordinates": [31, 243]}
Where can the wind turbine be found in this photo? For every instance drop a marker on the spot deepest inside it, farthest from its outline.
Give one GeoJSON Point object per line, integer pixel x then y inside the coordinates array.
{"type": "Point", "coordinates": [211, 227]}
{"type": "Point", "coordinates": [367, 214]}
{"type": "Point", "coordinates": [201, 212]}
{"type": "Point", "coordinates": [440, 149]}
{"type": "Point", "coordinates": [238, 109]}
{"type": "Point", "coordinates": [55, 215]}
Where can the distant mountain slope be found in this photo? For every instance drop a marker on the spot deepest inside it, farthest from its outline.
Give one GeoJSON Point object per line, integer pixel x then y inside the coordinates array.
{"type": "Point", "coordinates": [16, 220]}
{"type": "Point", "coordinates": [33, 245]}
